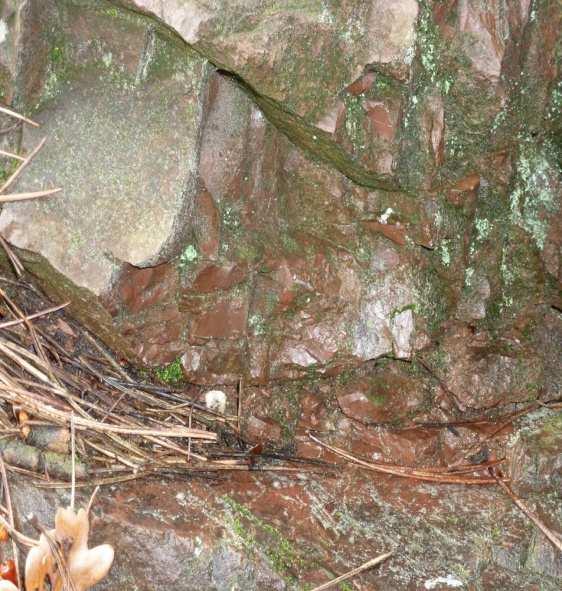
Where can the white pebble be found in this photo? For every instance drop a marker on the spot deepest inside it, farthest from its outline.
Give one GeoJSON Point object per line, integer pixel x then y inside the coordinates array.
{"type": "Point", "coordinates": [215, 400]}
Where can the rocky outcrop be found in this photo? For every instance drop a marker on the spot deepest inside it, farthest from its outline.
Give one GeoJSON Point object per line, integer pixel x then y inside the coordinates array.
{"type": "Point", "coordinates": [277, 191]}
{"type": "Point", "coordinates": [278, 532]}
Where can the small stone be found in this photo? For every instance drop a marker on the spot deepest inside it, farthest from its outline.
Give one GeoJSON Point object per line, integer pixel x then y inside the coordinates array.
{"type": "Point", "coordinates": [215, 400]}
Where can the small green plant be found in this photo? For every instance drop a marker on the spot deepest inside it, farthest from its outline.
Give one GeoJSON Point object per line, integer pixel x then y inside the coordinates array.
{"type": "Point", "coordinates": [57, 54]}
{"type": "Point", "coordinates": [171, 373]}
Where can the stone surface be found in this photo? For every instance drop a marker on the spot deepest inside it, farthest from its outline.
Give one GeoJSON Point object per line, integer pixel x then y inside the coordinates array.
{"type": "Point", "coordinates": [122, 141]}
{"type": "Point", "coordinates": [249, 237]}
{"type": "Point", "coordinates": [483, 372]}
{"type": "Point", "coordinates": [277, 47]}
{"type": "Point", "coordinates": [279, 532]}
{"type": "Point", "coordinates": [387, 395]}
{"type": "Point", "coordinates": [8, 51]}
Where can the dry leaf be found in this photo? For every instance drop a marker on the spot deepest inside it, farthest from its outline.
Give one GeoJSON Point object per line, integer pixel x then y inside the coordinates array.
{"type": "Point", "coordinates": [8, 571]}
{"type": "Point", "coordinates": [4, 535]}
{"type": "Point", "coordinates": [86, 567]}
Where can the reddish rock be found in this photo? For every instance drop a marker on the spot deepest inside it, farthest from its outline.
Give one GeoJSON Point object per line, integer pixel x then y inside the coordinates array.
{"type": "Point", "coordinates": [140, 289]}
{"type": "Point", "coordinates": [207, 225]}
{"type": "Point", "coordinates": [312, 412]}
{"type": "Point", "coordinates": [484, 42]}
{"type": "Point", "coordinates": [483, 374]}
{"type": "Point", "coordinates": [409, 447]}
{"type": "Point", "coordinates": [362, 84]}
{"type": "Point", "coordinates": [384, 259]}
{"type": "Point", "coordinates": [380, 119]}
{"type": "Point", "coordinates": [333, 119]}
{"type": "Point", "coordinates": [470, 182]}
{"type": "Point", "coordinates": [393, 232]}
{"type": "Point", "coordinates": [217, 362]}
{"type": "Point", "coordinates": [226, 320]}
{"type": "Point", "coordinates": [360, 403]}
{"type": "Point", "coordinates": [388, 395]}
{"type": "Point", "coordinates": [434, 121]}
{"type": "Point", "coordinates": [214, 277]}
{"type": "Point", "coordinates": [259, 430]}
{"type": "Point", "coordinates": [464, 189]}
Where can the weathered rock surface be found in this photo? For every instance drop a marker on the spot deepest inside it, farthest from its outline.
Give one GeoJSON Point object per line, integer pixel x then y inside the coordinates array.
{"type": "Point", "coordinates": [197, 222]}
{"type": "Point", "coordinates": [301, 54]}
{"type": "Point", "coordinates": [278, 533]}
{"type": "Point", "coordinates": [122, 128]}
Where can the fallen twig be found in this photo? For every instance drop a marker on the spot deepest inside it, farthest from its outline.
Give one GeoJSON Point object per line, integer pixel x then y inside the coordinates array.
{"type": "Point", "coordinates": [552, 537]}
{"type": "Point", "coordinates": [16, 263]}
{"type": "Point", "coordinates": [353, 572]}
{"type": "Point", "coordinates": [23, 165]}
{"type": "Point", "coordinates": [33, 316]}
{"type": "Point", "coordinates": [11, 155]}
{"type": "Point", "coordinates": [407, 471]}
{"type": "Point", "coordinates": [10, 516]}
{"type": "Point", "coordinates": [15, 115]}
{"type": "Point", "coordinates": [15, 534]}
{"type": "Point", "coordinates": [10, 197]}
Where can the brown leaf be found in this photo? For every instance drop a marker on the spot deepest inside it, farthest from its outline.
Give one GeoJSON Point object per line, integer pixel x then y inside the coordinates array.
{"type": "Point", "coordinates": [86, 567]}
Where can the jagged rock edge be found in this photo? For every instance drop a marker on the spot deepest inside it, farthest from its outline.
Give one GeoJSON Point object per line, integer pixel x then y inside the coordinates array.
{"type": "Point", "coordinates": [314, 141]}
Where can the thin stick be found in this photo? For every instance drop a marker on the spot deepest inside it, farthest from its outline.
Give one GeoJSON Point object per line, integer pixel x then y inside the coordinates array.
{"type": "Point", "coordinates": [10, 155]}
{"type": "Point", "coordinates": [92, 498]}
{"type": "Point", "coordinates": [16, 263]}
{"type": "Point", "coordinates": [404, 471]}
{"type": "Point", "coordinates": [554, 539]}
{"type": "Point", "coordinates": [33, 316]}
{"type": "Point", "coordinates": [25, 196]}
{"type": "Point", "coordinates": [16, 535]}
{"type": "Point", "coordinates": [10, 516]}
{"type": "Point", "coordinates": [39, 348]}
{"type": "Point", "coordinates": [73, 459]}
{"type": "Point", "coordinates": [239, 405]}
{"type": "Point", "coordinates": [22, 166]}
{"type": "Point", "coordinates": [189, 440]}
{"type": "Point", "coordinates": [15, 395]}
{"type": "Point", "coordinates": [355, 571]}
{"type": "Point", "coordinates": [109, 358]}
{"type": "Point", "coordinates": [15, 115]}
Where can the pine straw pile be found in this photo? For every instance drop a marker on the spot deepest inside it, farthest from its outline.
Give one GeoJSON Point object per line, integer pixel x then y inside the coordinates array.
{"type": "Point", "coordinates": [63, 396]}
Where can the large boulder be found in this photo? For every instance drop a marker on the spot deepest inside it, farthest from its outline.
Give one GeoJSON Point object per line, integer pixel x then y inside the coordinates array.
{"type": "Point", "coordinates": [230, 203]}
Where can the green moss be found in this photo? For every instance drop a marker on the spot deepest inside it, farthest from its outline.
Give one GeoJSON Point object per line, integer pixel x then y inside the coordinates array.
{"type": "Point", "coordinates": [188, 256]}
{"type": "Point", "coordinates": [56, 54]}
{"type": "Point", "coordinates": [398, 311]}
{"type": "Point", "coordinates": [8, 169]}
{"type": "Point", "coordinates": [318, 143]}
{"type": "Point", "coordinates": [552, 433]}
{"type": "Point", "coordinates": [170, 374]}
{"type": "Point", "coordinates": [433, 298]}
{"type": "Point", "coordinates": [259, 536]}
{"type": "Point", "coordinates": [533, 198]}
{"type": "Point", "coordinates": [379, 399]}
{"type": "Point", "coordinates": [257, 324]}
{"type": "Point", "coordinates": [355, 116]}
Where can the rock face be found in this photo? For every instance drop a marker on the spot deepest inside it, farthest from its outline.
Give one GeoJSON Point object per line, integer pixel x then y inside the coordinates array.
{"type": "Point", "coordinates": [279, 533]}
{"type": "Point", "coordinates": [280, 190]}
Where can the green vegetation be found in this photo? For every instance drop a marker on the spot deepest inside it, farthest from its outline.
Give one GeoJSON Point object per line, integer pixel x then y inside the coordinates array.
{"type": "Point", "coordinates": [398, 311]}
{"type": "Point", "coordinates": [187, 257]}
{"type": "Point", "coordinates": [170, 374]}
{"type": "Point", "coordinates": [257, 535]}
